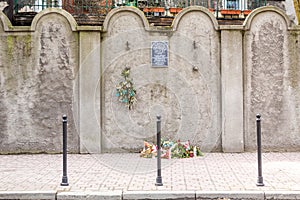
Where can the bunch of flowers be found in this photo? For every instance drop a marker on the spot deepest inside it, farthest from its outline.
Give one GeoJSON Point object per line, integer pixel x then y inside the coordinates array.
{"type": "Point", "coordinates": [125, 89]}
{"type": "Point", "coordinates": [166, 144]}
{"type": "Point", "coordinates": [171, 149]}
{"type": "Point", "coordinates": [184, 150]}
{"type": "Point", "coordinates": [149, 150]}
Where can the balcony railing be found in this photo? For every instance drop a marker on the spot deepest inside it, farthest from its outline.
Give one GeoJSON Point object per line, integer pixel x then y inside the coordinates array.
{"type": "Point", "coordinates": [103, 6]}
{"type": "Point", "coordinates": [34, 5]}
{"type": "Point", "coordinates": [87, 9]}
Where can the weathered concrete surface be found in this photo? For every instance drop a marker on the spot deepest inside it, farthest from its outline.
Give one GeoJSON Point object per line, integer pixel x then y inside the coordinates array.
{"type": "Point", "coordinates": [89, 88]}
{"type": "Point", "coordinates": [216, 81]}
{"type": "Point", "coordinates": [188, 100]}
{"type": "Point", "coordinates": [271, 82]}
{"type": "Point", "coordinates": [37, 73]}
{"type": "Point", "coordinates": [232, 90]}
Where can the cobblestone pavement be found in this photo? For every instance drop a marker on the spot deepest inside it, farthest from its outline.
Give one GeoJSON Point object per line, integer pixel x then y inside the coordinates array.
{"type": "Point", "coordinates": [129, 172]}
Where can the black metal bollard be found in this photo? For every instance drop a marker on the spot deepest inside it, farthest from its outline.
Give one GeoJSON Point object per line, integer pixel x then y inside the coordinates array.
{"type": "Point", "coordinates": [259, 157]}
{"type": "Point", "coordinates": [64, 177]}
{"type": "Point", "coordinates": [158, 178]}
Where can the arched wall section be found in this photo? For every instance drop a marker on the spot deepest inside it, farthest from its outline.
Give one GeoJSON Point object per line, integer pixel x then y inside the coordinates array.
{"type": "Point", "coordinates": [271, 80]}
{"type": "Point", "coordinates": [39, 68]}
{"type": "Point", "coordinates": [187, 99]}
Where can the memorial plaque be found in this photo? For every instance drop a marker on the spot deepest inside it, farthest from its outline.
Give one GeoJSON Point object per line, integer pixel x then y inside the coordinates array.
{"type": "Point", "coordinates": [159, 54]}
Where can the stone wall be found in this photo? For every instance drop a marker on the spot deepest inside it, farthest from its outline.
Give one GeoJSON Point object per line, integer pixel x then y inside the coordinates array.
{"type": "Point", "coordinates": [272, 81]}
{"type": "Point", "coordinates": [188, 100]}
{"type": "Point", "coordinates": [38, 68]}
{"type": "Point", "coordinates": [217, 79]}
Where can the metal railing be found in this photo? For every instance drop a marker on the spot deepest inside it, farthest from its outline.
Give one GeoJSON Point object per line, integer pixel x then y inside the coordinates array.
{"type": "Point", "coordinates": [35, 5]}
{"type": "Point", "coordinates": [102, 7]}
{"type": "Point", "coordinates": [252, 4]}
{"type": "Point", "coordinates": [87, 7]}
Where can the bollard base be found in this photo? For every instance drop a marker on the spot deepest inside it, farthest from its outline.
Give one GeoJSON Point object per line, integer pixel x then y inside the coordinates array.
{"type": "Point", "coordinates": [260, 181]}
{"type": "Point", "coordinates": [64, 181]}
{"type": "Point", "coordinates": [64, 184]}
{"type": "Point", "coordinates": [159, 181]}
{"type": "Point", "coordinates": [260, 184]}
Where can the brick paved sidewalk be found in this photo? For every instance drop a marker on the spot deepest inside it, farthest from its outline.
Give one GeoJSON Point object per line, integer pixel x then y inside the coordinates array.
{"type": "Point", "coordinates": [128, 172]}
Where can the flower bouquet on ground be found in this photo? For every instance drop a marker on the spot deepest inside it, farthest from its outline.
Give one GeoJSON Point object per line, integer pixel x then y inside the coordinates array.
{"type": "Point", "coordinates": [171, 149]}
{"type": "Point", "coordinates": [184, 150]}
{"type": "Point", "coordinates": [149, 150]}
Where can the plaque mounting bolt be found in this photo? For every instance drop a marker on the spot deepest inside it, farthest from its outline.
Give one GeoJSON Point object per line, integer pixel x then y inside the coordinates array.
{"type": "Point", "coordinates": [127, 46]}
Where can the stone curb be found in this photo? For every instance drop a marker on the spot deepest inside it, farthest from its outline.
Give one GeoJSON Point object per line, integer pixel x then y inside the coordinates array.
{"type": "Point", "coordinates": [113, 195]}
{"type": "Point", "coordinates": [232, 195]}
{"type": "Point", "coordinates": [126, 195]}
{"type": "Point", "coordinates": [159, 195]}
{"type": "Point", "coordinates": [282, 195]}
{"type": "Point", "coordinates": [28, 195]}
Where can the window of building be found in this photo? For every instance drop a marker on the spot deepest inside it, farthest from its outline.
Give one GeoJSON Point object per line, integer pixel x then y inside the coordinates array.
{"type": "Point", "coordinates": [43, 4]}
{"type": "Point", "coordinates": [233, 4]}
